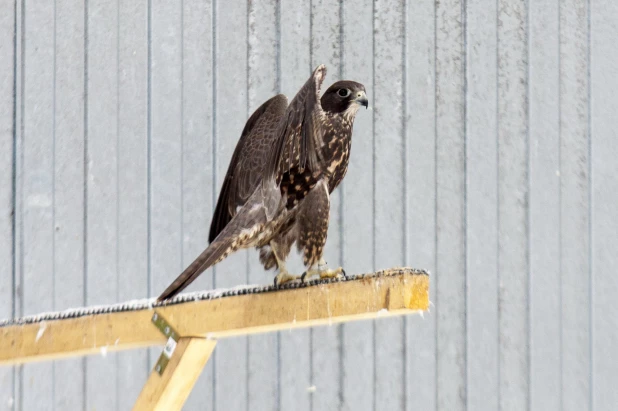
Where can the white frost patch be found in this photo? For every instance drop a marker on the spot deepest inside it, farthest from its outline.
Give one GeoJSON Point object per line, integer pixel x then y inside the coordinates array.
{"type": "Point", "coordinates": [104, 351]}
{"type": "Point", "coordinates": [10, 402]}
{"type": "Point", "coordinates": [382, 312]}
{"type": "Point", "coordinates": [311, 389]}
{"type": "Point", "coordinates": [42, 328]}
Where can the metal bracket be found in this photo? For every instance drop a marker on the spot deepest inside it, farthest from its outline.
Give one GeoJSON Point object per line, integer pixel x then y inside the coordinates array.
{"type": "Point", "coordinates": [172, 339]}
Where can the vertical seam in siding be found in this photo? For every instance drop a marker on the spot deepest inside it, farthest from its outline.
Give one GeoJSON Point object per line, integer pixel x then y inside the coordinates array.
{"type": "Point", "coordinates": [590, 212]}
{"type": "Point", "coordinates": [149, 150]}
{"type": "Point", "coordinates": [214, 165]}
{"type": "Point", "coordinates": [560, 285]}
{"type": "Point", "coordinates": [85, 193]}
{"type": "Point", "coordinates": [278, 86]}
{"type": "Point", "coordinates": [247, 113]}
{"type": "Point", "coordinates": [341, 216]}
{"type": "Point", "coordinates": [404, 154]}
{"type": "Point", "coordinates": [527, 209]}
{"type": "Point", "coordinates": [435, 181]}
{"type": "Point", "coordinates": [373, 185]}
{"type": "Point", "coordinates": [464, 52]}
{"type": "Point", "coordinates": [182, 132]}
{"type": "Point", "coordinates": [14, 193]}
{"type": "Point", "coordinates": [499, 342]}
{"type": "Point", "coordinates": [311, 376]}
{"type": "Point", "coordinates": [53, 190]}
{"type": "Point", "coordinates": [116, 357]}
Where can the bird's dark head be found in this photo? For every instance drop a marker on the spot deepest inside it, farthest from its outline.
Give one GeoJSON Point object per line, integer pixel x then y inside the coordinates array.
{"type": "Point", "coordinates": [344, 97]}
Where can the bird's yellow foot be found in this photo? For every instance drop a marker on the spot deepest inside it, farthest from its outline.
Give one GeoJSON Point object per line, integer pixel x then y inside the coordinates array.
{"type": "Point", "coordinates": [323, 272]}
{"type": "Point", "coordinates": [285, 277]}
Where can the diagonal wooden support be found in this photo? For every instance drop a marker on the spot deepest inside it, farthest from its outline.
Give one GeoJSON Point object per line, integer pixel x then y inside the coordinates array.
{"type": "Point", "coordinates": [169, 391]}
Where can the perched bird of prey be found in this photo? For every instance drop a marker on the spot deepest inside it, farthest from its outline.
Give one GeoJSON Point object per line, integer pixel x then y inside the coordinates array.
{"type": "Point", "coordinates": [277, 187]}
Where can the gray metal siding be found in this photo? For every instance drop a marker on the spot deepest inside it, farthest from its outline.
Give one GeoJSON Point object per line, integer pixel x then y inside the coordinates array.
{"type": "Point", "coordinates": [488, 158]}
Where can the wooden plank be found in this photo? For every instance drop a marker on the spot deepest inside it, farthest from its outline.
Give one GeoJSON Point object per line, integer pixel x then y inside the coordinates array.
{"type": "Point", "coordinates": [544, 132]}
{"type": "Point", "coordinates": [168, 392]}
{"type": "Point", "coordinates": [37, 187]}
{"type": "Point", "coordinates": [421, 195]}
{"type": "Point", "coordinates": [325, 342]}
{"type": "Point", "coordinates": [7, 187]}
{"type": "Point", "coordinates": [69, 150]}
{"type": "Point", "coordinates": [391, 292]}
{"type": "Point", "coordinates": [262, 350]}
{"type": "Point", "coordinates": [231, 112]}
{"type": "Point", "coordinates": [357, 218]}
{"type": "Point", "coordinates": [101, 186]}
{"type": "Point", "coordinates": [294, 346]}
{"type": "Point", "coordinates": [132, 277]}
{"type": "Point", "coordinates": [198, 158]}
{"type": "Point", "coordinates": [513, 221]}
{"type": "Point", "coordinates": [481, 213]}
{"type": "Point", "coordinates": [450, 298]}
{"type": "Point", "coordinates": [604, 241]}
{"type": "Point", "coordinates": [389, 201]}
{"type": "Point", "coordinates": [574, 205]}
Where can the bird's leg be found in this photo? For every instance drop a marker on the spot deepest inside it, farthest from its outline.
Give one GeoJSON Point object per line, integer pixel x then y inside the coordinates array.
{"type": "Point", "coordinates": [283, 276]}
{"type": "Point", "coordinates": [323, 271]}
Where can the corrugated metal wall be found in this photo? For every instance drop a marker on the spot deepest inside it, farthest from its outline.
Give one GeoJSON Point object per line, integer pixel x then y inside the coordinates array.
{"type": "Point", "coordinates": [489, 158]}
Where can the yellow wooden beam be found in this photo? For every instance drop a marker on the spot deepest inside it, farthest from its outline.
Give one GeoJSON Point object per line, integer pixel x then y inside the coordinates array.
{"type": "Point", "coordinates": [387, 293]}
{"type": "Point", "coordinates": [169, 391]}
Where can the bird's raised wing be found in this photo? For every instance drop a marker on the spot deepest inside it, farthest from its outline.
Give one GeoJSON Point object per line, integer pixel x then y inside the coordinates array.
{"type": "Point", "coordinates": [299, 139]}
{"type": "Point", "coordinates": [250, 157]}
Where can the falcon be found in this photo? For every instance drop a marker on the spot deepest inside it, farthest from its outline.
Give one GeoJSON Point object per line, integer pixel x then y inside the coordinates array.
{"type": "Point", "coordinates": [276, 192]}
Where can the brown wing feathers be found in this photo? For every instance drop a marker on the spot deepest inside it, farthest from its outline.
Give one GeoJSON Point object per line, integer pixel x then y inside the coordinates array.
{"type": "Point", "coordinates": [231, 195]}
{"type": "Point", "coordinates": [291, 131]}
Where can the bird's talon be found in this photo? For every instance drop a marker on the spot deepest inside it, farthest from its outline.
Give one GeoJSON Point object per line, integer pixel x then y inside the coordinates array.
{"type": "Point", "coordinates": [284, 277]}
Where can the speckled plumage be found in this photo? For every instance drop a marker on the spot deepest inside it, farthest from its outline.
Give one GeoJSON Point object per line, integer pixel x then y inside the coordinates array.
{"type": "Point", "coordinates": [276, 191]}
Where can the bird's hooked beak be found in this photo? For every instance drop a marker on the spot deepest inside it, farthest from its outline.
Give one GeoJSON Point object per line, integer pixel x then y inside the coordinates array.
{"type": "Point", "coordinates": [361, 98]}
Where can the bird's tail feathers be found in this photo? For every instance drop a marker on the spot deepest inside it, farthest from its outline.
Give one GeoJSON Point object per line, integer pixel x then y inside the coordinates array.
{"type": "Point", "coordinates": [236, 234]}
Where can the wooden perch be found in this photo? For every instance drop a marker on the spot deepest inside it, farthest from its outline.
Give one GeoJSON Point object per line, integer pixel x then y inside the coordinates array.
{"type": "Point", "coordinates": [198, 320]}
{"type": "Point", "coordinates": [391, 292]}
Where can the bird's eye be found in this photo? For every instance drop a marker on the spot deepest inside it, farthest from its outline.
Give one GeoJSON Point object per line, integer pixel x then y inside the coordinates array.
{"type": "Point", "coordinates": [343, 92]}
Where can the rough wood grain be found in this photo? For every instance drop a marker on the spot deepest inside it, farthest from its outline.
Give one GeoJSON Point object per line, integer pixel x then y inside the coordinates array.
{"type": "Point", "coordinates": [168, 392]}
{"type": "Point", "coordinates": [394, 292]}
